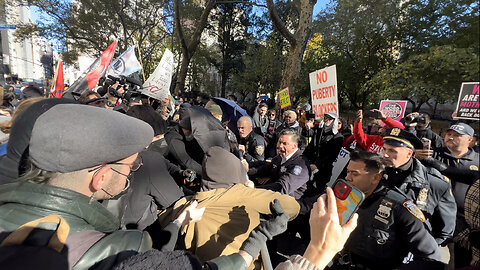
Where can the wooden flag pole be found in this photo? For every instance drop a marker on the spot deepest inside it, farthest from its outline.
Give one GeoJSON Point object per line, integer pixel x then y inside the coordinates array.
{"type": "Point", "coordinates": [140, 58]}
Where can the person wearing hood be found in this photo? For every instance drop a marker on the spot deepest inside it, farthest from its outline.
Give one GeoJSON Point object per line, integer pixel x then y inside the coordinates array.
{"type": "Point", "coordinates": [196, 132]}
{"type": "Point", "coordinates": [324, 148]}
{"type": "Point", "coordinates": [230, 213]}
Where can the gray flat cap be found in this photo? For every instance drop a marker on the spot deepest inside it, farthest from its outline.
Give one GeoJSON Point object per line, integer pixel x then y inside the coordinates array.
{"type": "Point", "coordinates": [72, 137]}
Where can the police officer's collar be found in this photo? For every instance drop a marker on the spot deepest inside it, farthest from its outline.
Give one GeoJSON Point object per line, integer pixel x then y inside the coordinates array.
{"type": "Point", "coordinates": [288, 157]}
{"type": "Point", "coordinates": [470, 155]}
{"type": "Point", "coordinates": [407, 166]}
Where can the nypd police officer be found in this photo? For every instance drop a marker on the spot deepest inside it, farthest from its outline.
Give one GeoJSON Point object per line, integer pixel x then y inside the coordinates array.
{"type": "Point", "coordinates": [289, 171]}
{"type": "Point", "coordinates": [426, 187]}
{"type": "Point", "coordinates": [389, 226]}
{"type": "Point", "coordinates": [250, 143]}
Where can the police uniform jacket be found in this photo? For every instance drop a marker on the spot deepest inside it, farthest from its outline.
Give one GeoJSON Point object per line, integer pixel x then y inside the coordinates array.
{"type": "Point", "coordinates": [431, 192]}
{"type": "Point", "coordinates": [468, 162]}
{"type": "Point", "coordinates": [289, 178]}
{"type": "Point", "coordinates": [255, 146]}
{"type": "Point", "coordinates": [389, 226]}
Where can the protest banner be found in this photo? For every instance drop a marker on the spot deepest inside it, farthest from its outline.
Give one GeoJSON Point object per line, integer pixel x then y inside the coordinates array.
{"type": "Point", "coordinates": [158, 84]}
{"type": "Point", "coordinates": [338, 165]}
{"type": "Point", "coordinates": [324, 92]}
{"type": "Point", "coordinates": [284, 96]}
{"type": "Point", "coordinates": [393, 108]}
{"type": "Point", "coordinates": [468, 102]}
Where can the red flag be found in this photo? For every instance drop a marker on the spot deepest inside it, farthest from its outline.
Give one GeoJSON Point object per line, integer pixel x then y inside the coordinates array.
{"type": "Point", "coordinates": [59, 86]}
{"type": "Point", "coordinates": [93, 73]}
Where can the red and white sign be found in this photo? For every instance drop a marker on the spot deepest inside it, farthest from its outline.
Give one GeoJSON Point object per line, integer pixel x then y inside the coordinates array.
{"type": "Point", "coordinates": [324, 92]}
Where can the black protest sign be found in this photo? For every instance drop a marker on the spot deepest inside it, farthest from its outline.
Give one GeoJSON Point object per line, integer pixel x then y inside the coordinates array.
{"type": "Point", "coordinates": [468, 101]}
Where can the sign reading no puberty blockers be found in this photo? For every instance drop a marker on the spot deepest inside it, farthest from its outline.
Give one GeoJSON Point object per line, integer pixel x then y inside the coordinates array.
{"type": "Point", "coordinates": [468, 101]}
{"type": "Point", "coordinates": [323, 87]}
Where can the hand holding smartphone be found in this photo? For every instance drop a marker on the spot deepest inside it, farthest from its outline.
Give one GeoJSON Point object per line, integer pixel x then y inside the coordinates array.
{"type": "Point", "coordinates": [348, 198]}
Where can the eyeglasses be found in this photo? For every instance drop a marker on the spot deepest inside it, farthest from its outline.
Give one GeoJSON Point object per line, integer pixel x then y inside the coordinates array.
{"type": "Point", "coordinates": [271, 114]}
{"type": "Point", "coordinates": [137, 163]}
{"type": "Point", "coordinates": [134, 166]}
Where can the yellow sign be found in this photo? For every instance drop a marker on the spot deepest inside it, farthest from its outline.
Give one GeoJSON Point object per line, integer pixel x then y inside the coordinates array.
{"type": "Point", "coordinates": [284, 98]}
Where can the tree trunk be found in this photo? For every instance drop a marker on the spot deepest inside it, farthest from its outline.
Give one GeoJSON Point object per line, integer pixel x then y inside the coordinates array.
{"type": "Point", "coordinates": [297, 40]}
{"type": "Point", "coordinates": [189, 49]}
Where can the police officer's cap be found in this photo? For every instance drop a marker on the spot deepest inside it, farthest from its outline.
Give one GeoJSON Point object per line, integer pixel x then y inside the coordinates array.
{"type": "Point", "coordinates": [400, 138]}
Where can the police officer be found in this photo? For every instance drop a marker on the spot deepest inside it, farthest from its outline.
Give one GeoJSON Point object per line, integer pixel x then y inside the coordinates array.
{"type": "Point", "coordinates": [389, 226]}
{"type": "Point", "coordinates": [251, 144]}
{"type": "Point", "coordinates": [426, 187]}
{"type": "Point", "coordinates": [289, 171]}
{"type": "Point", "coordinates": [460, 163]}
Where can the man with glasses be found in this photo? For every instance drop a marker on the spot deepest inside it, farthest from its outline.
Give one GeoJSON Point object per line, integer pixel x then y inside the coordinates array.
{"type": "Point", "coordinates": [79, 155]}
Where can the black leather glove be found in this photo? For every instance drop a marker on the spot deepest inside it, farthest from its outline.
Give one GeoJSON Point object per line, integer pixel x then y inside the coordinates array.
{"type": "Point", "coordinates": [266, 230]}
{"type": "Point", "coordinates": [434, 163]}
{"type": "Point", "coordinates": [189, 175]}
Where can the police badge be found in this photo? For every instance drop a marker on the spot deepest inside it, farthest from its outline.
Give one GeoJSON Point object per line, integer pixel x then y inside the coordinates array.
{"type": "Point", "coordinates": [259, 149]}
{"type": "Point", "coordinates": [422, 197]}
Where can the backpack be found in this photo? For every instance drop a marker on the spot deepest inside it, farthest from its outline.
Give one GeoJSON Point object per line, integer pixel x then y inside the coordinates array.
{"type": "Point", "coordinates": [29, 247]}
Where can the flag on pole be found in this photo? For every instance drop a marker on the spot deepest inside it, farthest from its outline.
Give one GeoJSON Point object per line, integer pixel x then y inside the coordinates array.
{"type": "Point", "coordinates": [58, 85]}
{"type": "Point", "coordinates": [90, 78]}
{"type": "Point", "coordinates": [125, 64]}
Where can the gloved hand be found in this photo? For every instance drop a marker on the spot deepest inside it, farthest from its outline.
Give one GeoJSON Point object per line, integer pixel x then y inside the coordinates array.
{"type": "Point", "coordinates": [266, 230]}
{"type": "Point", "coordinates": [434, 163]}
{"type": "Point", "coordinates": [189, 175]}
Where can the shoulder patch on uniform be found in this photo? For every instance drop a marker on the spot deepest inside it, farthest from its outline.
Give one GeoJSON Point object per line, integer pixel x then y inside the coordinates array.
{"type": "Point", "coordinates": [414, 210]}
{"type": "Point", "coordinates": [259, 149]}
{"type": "Point", "coordinates": [473, 168]}
{"type": "Point", "coordinates": [297, 170]}
{"type": "Point", "coordinates": [446, 179]}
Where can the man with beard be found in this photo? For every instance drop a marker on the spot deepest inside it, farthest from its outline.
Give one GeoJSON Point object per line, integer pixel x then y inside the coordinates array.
{"type": "Point", "coordinates": [324, 148]}
{"type": "Point", "coordinates": [460, 163]}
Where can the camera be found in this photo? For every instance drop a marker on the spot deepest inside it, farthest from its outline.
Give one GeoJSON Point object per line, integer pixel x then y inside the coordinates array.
{"type": "Point", "coordinates": [130, 86]}
{"type": "Point", "coordinates": [419, 118]}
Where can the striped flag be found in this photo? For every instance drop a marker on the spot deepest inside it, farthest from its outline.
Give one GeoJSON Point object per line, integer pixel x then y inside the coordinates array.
{"type": "Point", "coordinates": [89, 80]}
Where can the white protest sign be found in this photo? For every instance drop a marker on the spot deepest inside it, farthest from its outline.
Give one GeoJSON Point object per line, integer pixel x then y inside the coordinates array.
{"type": "Point", "coordinates": [338, 165]}
{"type": "Point", "coordinates": [324, 92]}
{"type": "Point", "coordinates": [158, 84]}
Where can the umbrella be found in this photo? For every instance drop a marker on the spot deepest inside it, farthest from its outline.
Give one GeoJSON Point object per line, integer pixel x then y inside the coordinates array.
{"type": "Point", "coordinates": [231, 112]}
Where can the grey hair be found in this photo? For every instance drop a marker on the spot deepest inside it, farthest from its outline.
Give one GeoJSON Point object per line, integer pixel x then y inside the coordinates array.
{"type": "Point", "coordinates": [290, 132]}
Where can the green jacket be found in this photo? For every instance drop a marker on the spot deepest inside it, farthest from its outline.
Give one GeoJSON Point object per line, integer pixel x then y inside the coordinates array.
{"type": "Point", "coordinates": [98, 229]}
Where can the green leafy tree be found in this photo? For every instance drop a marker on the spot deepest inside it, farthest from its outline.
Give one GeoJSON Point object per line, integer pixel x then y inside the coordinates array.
{"type": "Point", "coordinates": [437, 73]}
{"type": "Point", "coordinates": [361, 38]}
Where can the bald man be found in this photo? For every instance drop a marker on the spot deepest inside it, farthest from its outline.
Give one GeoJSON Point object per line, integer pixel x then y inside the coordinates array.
{"type": "Point", "coordinates": [251, 144]}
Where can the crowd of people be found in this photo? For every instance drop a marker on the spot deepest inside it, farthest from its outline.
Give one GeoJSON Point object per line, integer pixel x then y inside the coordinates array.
{"type": "Point", "coordinates": [210, 184]}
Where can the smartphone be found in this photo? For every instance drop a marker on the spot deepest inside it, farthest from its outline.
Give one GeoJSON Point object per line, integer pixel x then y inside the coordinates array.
{"type": "Point", "coordinates": [348, 198]}
{"type": "Point", "coordinates": [371, 114]}
{"type": "Point", "coordinates": [426, 143]}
